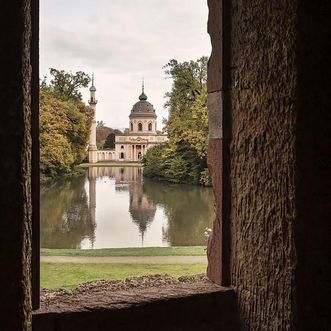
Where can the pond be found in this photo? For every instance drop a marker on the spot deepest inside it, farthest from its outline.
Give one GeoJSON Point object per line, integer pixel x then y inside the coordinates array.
{"type": "Point", "coordinates": [116, 207]}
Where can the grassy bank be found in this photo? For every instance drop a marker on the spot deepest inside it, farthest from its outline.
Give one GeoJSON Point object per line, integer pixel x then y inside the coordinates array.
{"type": "Point", "coordinates": [69, 276]}
{"type": "Point", "coordinates": [146, 251]}
{"type": "Point", "coordinates": [110, 164]}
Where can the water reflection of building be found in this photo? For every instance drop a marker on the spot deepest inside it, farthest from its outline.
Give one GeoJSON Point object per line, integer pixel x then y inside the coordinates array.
{"type": "Point", "coordinates": [92, 202]}
{"type": "Point", "coordinates": [141, 207]}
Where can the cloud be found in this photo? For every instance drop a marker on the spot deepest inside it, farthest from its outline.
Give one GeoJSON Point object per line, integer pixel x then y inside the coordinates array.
{"type": "Point", "coordinates": [122, 41]}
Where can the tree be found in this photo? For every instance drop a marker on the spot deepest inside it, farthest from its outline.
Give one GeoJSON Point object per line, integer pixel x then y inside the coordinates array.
{"type": "Point", "coordinates": [185, 156]}
{"type": "Point", "coordinates": [154, 162]}
{"type": "Point", "coordinates": [64, 127]}
{"type": "Point", "coordinates": [110, 141]}
{"type": "Point", "coordinates": [101, 124]}
{"type": "Point", "coordinates": [55, 151]}
{"type": "Point", "coordinates": [189, 80]}
{"type": "Point", "coordinates": [66, 85]}
{"type": "Point", "coordinates": [103, 132]}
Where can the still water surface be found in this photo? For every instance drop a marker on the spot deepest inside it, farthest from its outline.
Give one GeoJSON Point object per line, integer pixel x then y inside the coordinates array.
{"type": "Point", "coordinates": [116, 207]}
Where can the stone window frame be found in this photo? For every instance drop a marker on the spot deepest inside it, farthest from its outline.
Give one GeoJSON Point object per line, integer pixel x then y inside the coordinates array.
{"type": "Point", "coordinates": [140, 126]}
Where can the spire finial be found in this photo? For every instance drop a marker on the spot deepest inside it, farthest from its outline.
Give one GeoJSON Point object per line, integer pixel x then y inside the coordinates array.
{"type": "Point", "coordinates": [143, 96]}
{"type": "Point", "coordinates": [92, 88]}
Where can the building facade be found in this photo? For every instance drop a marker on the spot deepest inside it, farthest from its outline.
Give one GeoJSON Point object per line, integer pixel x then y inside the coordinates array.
{"type": "Point", "coordinates": [132, 145]}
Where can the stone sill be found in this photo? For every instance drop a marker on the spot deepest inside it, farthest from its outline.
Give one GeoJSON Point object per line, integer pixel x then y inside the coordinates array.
{"type": "Point", "coordinates": [194, 306]}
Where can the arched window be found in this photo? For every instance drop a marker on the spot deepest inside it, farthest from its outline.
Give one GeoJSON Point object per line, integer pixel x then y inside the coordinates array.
{"type": "Point", "coordinates": [150, 127]}
{"type": "Point", "coordinates": [140, 126]}
{"type": "Point", "coordinates": [131, 126]}
{"type": "Point", "coordinates": [122, 147]}
{"type": "Point", "coordinates": [122, 155]}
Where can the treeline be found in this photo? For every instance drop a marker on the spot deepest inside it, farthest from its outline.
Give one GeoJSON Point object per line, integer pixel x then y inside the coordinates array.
{"type": "Point", "coordinates": [183, 159]}
{"type": "Point", "coordinates": [106, 136]}
{"type": "Point", "coordinates": [64, 122]}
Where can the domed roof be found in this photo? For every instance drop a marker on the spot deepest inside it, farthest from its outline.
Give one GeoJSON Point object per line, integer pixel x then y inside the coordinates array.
{"type": "Point", "coordinates": [143, 106]}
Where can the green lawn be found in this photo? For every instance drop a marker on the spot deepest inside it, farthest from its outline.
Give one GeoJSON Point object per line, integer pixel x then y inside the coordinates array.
{"type": "Point", "coordinates": [146, 251]}
{"type": "Point", "coordinates": [68, 276]}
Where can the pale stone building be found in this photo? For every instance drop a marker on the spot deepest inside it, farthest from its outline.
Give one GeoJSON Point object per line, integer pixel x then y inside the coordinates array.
{"type": "Point", "coordinates": [132, 145]}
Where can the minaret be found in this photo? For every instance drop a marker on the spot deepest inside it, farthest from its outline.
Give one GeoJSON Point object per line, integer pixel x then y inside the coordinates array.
{"type": "Point", "coordinates": [92, 148]}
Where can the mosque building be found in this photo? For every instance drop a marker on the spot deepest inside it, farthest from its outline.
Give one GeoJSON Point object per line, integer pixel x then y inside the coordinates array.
{"type": "Point", "coordinates": [132, 145]}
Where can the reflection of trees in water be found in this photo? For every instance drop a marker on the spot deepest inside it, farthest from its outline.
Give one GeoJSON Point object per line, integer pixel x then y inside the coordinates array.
{"type": "Point", "coordinates": [65, 216]}
{"type": "Point", "coordinates": [190, 209]}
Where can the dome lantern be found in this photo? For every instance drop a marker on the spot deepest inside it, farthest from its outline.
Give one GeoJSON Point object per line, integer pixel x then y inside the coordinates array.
{"type": "Point", "coordinates": [143, 107]}
{"type": "Point", "coordinates": [143, 96]}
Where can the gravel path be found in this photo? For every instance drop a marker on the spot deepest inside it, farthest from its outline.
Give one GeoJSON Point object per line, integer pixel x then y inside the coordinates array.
{"type": "Point", "coordinates": [126, 259]}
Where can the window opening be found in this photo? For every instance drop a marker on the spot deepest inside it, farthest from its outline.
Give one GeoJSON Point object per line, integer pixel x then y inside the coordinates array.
{"type": "Point", "coordinates": [146, 200]}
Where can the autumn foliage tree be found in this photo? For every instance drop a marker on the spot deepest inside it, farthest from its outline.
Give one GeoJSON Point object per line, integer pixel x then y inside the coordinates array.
{"type": "Point", "coordinates": [184, 158]}
{"type": "Point", "coordinates": [64, 122]}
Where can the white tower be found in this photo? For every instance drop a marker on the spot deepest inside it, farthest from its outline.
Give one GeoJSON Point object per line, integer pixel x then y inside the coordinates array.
{"type": "Point", "coordinates": [92, 148]}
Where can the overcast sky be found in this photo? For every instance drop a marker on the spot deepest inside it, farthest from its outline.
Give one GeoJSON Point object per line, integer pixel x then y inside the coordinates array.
{"type": "Point", "coordinates": [122, 41]}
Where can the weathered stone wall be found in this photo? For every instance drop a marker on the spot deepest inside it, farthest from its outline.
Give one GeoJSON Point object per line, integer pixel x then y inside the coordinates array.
{"type": "Point", "coordinates": [15, 166]}
{"type": "Point", "coordinates": [219, 140]}
{"type": "Point", "coordinates": [263, 161]}
{"type": "Point", "coordinates": [171, 307]}
{"type": "Point", "coordinates": [277, 121]}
